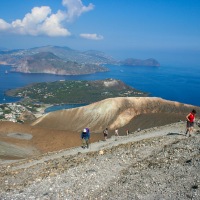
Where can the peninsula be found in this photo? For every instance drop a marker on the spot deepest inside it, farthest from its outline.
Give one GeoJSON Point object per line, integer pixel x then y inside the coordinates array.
{"type": "Point", "coordinates": [75, 92]}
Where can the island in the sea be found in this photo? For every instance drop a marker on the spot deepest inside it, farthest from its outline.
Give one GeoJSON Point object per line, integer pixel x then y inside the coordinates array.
{"type": "Point", "coordinates": [138, 62]}
{"type": "Point", "coordinates": [64, 61]}
{"type": "Point", "coordinates": [75, 92]}
{"type": "Point", "coordinates": [47, 62]}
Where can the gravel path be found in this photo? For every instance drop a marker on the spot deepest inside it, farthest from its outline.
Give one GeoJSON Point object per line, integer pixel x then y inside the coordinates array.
{"type": "Point", "coordinates": [157, 163]}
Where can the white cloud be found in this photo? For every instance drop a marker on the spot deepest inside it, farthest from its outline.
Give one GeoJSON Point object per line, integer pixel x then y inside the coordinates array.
{"type": "Point", "coordinates": [52, 25]}
{"type": "Point", "coordinates": [41, 20]}
{"type": "Point", "coordinates": [4, 25]}
{"type": "Point", "coordinates": [75, 8]}
{"type": "Point", "coordinates": [93, 36]}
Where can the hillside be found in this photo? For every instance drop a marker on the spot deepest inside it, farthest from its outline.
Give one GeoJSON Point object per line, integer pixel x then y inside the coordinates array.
{"type": "Point", "coordinates": [73, 92]}
{"type": "Point", "coordinates": [13, 57]}
{"type": "Point", "coordinates": [61, 129]}
{"type": "Point", "coordinates": [113, 113]}
{"type": "Point", "coordinates": [47, 62]}
{"type": "Point", "coordinates": [157, 163]}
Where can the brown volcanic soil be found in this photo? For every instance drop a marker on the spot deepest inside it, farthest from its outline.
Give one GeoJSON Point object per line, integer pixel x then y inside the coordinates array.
{"type": "Point", "coordinates": [114, 113]}
{"type": "Point", "coordinates": [64, 127]}
{"type": "Point", "coordinates": [46, 140]}
{"type": "Point", "coordinates": [43, 140]}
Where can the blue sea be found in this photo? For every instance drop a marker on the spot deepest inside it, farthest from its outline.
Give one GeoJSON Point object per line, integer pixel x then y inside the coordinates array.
{"type": "Point", "coordinates": [176, 83]}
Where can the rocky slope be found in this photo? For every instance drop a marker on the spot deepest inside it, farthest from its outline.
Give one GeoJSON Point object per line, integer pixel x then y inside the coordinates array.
{"type": "Point", "coordinates": [156, 163]}
{"type": "Point", "coordinates": [61, 129]}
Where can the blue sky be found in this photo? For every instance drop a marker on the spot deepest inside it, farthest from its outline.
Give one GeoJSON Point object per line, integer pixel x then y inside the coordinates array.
{"type": "Point", "coordinates": [121, 28]}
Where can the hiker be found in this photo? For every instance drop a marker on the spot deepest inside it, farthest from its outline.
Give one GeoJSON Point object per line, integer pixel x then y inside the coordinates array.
{"type": "Point", "coordinates": [127, 132]}
{"type": "Point", "coordinates": [116, 132]}
{"type": "Point", "coordinates": [85, 136]}
{"type": "Point", "coordinates": [105, 134]}
{"type": "Point", "coordinates": [190, 122]}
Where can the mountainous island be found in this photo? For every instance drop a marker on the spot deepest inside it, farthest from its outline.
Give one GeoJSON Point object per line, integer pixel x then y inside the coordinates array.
{"type": "Point", "coordinates": [138, 62]}
{"type": "Point", "coordinates": [73, 92]}
{"type": "Point", "coordinates": [63, 60]}
{"type": "Point", "coordinates": [47, 62]}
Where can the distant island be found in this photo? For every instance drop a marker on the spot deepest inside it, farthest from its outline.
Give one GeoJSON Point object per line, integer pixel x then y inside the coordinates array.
{"type": "Point", "coordinates": [137, 62]}
{"type": "Point", "coordinates": [47, 62]}
{"type": "Point", "coordinates": [75, 92]}
{"type": "Point", "coordinates": [64, 61]}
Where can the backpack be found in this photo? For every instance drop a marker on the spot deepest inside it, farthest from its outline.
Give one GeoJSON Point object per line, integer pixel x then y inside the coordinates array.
{"type": "Point", "coordinates": [87, 130]}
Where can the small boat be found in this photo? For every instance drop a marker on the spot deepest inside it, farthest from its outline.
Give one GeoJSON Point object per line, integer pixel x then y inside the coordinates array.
{"type": "Point", "coordinates": [6, 72]}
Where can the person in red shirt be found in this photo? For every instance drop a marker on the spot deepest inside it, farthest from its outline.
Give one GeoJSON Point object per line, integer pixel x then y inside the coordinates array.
{"type": "Point", "coordinates": [190, 122]}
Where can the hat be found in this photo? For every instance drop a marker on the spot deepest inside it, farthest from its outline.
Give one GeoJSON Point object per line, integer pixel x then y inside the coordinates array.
{"type": "Point", "coordinates": [84, 130]}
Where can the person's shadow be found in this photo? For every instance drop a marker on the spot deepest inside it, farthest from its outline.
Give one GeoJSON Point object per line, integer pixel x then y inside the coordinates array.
{"type": "Point", "coordinates": [174, 134]}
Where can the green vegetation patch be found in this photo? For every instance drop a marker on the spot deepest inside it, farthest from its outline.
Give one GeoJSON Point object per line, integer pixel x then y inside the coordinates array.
{"type": "Point", "coordinates": [70, 92]}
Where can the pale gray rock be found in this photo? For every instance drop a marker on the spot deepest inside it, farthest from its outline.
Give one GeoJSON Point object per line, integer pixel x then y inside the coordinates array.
{"type": "Point", "coordinates": [151, 164]}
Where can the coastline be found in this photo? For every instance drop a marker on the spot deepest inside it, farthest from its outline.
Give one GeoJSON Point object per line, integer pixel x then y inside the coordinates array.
{"type": "Point", "coordinates": [163, 77]}
{"type": "Point", "coordinates": [41, 110]}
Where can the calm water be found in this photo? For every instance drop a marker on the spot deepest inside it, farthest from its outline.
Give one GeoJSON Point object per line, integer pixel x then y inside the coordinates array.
{"type": "Point", "coordinates": [169, 82]}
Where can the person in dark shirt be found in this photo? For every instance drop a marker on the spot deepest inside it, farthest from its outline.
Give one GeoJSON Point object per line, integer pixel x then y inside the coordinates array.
{"type": "Point", "coordinates": [85, 136]}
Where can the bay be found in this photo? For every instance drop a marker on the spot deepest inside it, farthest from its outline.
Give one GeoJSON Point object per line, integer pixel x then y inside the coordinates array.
{"type": "Point", "coordinates": [175, 83]}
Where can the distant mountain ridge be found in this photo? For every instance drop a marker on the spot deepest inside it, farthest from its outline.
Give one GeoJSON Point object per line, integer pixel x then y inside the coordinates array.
{"type": "Point", "coordinates": [63, 60]}
{"type": "Point", "coordinates": [65, 53]}
{"type": "Point", "coordinates": [47, 62]}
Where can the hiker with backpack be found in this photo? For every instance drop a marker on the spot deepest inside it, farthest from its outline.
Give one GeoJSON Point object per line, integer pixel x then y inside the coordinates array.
{"type": "Point", "coordinates": [85, 136]}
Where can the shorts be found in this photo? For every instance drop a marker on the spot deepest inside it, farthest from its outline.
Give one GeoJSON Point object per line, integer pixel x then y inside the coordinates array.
{"type": "Point", "coordinates": [105, 134]}
{"type": "Point", "coordinates": [190, 124]}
